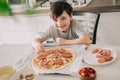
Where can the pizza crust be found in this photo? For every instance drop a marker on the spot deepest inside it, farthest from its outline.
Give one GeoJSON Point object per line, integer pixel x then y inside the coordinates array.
{"type": "Point", "coordinates": [60, 52]}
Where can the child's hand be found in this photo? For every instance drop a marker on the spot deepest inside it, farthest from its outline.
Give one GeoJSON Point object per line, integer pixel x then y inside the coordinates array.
{"type": "Point", "coordinates": [39, 47]}
{"type": "Point", "coordinates": [60, 41]}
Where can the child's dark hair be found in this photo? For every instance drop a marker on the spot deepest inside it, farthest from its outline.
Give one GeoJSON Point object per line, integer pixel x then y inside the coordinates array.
{"type": "Point", "coordinates": [58, 7]}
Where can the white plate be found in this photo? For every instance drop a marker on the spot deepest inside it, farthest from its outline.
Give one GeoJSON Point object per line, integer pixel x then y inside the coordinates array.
{"type": "Point", "coordinates": [24, 72]}
{"type": "Point", "coordinates": [91, 59]}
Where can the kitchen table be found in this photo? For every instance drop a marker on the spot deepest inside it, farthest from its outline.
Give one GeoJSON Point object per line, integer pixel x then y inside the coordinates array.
{"type": "Point", "coordinates": [10, 54]}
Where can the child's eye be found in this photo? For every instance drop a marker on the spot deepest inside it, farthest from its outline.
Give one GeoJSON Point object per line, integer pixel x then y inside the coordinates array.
{"type": "Point", "coordinates": [63, 18]}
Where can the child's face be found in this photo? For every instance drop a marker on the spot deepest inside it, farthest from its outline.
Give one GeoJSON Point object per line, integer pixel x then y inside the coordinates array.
{"type": "Point", "coordinates": [63, 21]}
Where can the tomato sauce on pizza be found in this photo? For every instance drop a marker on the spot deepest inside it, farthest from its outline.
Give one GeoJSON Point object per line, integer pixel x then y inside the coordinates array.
{"type": "Point", "coordinates": [53, 59]}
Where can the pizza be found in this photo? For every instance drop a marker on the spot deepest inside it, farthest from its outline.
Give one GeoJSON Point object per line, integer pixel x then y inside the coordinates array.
{"type": "Point", "coordinates": [53, 59]}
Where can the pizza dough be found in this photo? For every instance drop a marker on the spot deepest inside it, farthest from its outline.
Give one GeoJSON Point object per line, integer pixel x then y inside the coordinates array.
{"type": "Point", "coordinates": [54, 59]}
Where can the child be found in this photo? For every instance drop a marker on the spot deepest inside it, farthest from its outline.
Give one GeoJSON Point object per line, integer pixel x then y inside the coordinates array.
{"type": "Point", "coordinates": [65, 29]}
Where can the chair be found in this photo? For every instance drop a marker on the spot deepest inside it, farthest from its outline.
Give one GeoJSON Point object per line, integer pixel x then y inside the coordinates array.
{"type": "Point", "coordinates": [90, 21]}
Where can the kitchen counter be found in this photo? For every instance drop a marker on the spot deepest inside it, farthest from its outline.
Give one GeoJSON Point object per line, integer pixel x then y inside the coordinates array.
{"type": "Point", "coordinates": [100, 6]}
{"type": "Point", "coordinates": [96, 6]}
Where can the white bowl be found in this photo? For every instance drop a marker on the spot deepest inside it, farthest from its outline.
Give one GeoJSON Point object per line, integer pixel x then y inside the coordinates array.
{"type": "Point", "coordinates": [24, 73]}
{"type": "Point", "coordinates": [6, 72]}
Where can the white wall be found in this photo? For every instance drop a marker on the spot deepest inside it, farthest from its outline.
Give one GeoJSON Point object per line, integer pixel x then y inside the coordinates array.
{"type": "Point", "coordinates": [22, 29]}
{"type": "Point", "coordinates": [108, 31]}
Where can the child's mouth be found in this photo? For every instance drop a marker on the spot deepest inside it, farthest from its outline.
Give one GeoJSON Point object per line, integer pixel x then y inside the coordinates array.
{"type": "Point", "coordinates": [61, 27]}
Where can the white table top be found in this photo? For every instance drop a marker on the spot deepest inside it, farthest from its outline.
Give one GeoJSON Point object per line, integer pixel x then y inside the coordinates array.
{"type": "Point", "coordinates": [10, 54]}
